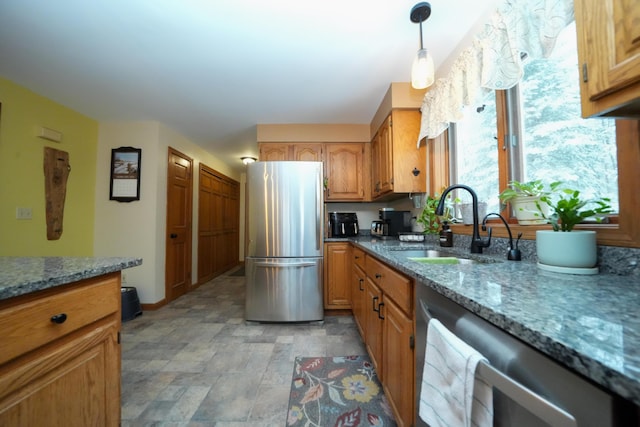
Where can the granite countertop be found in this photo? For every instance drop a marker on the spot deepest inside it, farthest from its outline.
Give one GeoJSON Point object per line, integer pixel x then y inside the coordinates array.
{"type": "Point", "coordinates": [590, 324]}
{"type": "Point", "coordinates": [24, 275]}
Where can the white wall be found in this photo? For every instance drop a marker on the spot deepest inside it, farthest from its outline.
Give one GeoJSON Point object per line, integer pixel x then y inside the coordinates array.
{"type": "Point", "coordinates": [138, 229]}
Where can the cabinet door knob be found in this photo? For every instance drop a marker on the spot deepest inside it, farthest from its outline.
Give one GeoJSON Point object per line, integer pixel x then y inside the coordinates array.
{"type": "Point", "coordinates": [378, 275]}
{"type": "Point", "coordinates": [173, 235]}
{"type": "Point", "coordinates": [59, 318]}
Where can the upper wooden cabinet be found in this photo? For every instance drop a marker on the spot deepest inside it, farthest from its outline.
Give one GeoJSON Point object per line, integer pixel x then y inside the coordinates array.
{"type": "Point", "coordinates": [344, 172]}
{"type": "Point", "coordinates": [346, 166]}
{"type": "Point", "coordinates": [291, 151]}
{"type": "Point", "coordinates": [307, 152]}
{"type": "Point", "coordinates": [398, 166]}
{"type": "Point", "coordinates": [275, 152]}
{"type": "Point", "coordinates": [609, 57]}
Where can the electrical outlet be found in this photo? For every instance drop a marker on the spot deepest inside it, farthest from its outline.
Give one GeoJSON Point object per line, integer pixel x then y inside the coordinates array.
{"type": "Point", "coordinates": [24, 213]}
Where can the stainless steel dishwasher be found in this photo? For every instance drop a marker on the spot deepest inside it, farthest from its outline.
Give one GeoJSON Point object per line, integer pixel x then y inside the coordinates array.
{"type": "Point", "coordinates": [530, 389]}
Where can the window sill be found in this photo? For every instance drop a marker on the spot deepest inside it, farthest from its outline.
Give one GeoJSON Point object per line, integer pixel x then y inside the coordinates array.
{"type": "Point", "coordinates": [607, 234]}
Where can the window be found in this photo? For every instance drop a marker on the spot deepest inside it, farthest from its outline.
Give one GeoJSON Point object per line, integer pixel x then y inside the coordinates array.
{"type": "Point", "coordinates": [544, 134]}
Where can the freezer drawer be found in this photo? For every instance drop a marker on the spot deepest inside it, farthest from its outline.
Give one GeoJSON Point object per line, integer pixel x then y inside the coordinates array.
{"type": "Point", "coordinates": [284, 289]}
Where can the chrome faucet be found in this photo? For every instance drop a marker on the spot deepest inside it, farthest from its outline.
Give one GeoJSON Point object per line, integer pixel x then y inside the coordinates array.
{"type": "Point", "coordinates": [476, 242]}
{"type": "Point", "coordinates": [514, 253]}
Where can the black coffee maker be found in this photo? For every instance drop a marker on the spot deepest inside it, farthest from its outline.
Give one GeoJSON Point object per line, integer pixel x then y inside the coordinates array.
{"type": "Point", "coordinates": [391, 223]}
{"type": "Point", "coordinates": [343, 224]}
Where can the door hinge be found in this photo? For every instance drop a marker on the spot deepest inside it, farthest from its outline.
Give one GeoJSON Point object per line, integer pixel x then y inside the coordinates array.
{"type": "Point", "coordinates": [412, 342]}
{"type": "Point", "coordinates": [585, 74]}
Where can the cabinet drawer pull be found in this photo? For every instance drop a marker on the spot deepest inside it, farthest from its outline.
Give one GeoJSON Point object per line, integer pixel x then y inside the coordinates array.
{"type": "Point", "coordinates": [378, 275]}
{"type": "Point", "coordinates": [374, 303]}
{"type": "Point", "coordinates": [360, 281]}
{"type": "Point", "coordinates": [380, 316]}
{"type": "Point", "coordinates": [59, 318]}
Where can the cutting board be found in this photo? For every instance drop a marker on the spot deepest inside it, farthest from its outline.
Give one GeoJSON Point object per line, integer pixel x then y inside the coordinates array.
{"type": "Point", "coordinates": [56, 173]}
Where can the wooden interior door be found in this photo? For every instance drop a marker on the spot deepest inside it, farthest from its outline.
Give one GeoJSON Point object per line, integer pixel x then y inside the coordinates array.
{"type": "Point", "coordinates": [179, 213]}
{"type": "Point", "coordinates": [218, 223]}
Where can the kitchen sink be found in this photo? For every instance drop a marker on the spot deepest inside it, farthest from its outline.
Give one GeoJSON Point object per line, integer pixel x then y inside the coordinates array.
{"type": "Point", "coordinates": [432, 256]}
{"type": "Point", "coordinates": [442, 260]}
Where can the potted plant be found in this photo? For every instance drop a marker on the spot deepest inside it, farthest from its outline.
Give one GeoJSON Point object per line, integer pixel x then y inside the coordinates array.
{"type": "Point", "coordinates": [428, 218]}
{"type": "Point", "coordinates": [525, 199]}
{"type": "Point", "coordinates": [564, 249]}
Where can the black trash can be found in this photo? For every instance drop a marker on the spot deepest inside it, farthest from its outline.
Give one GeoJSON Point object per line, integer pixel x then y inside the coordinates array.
{"type": "Point", "coordinates": [130, 303]}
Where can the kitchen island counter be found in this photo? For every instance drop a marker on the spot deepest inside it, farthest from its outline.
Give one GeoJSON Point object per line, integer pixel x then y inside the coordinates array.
{"type": "Point", "coordinates": [590, 324]}
{"type": "Point", "coordinates": [24, 275]}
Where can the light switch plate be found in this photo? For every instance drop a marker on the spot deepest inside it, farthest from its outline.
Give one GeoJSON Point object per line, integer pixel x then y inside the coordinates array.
{"type": "Point", "coordinates": [24, 213]}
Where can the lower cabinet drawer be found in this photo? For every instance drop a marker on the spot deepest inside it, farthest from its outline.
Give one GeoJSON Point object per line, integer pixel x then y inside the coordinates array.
{"type": "Point", "coordinates": [395, 285]}
{"type": "Point", "coordinates": [35, 323]}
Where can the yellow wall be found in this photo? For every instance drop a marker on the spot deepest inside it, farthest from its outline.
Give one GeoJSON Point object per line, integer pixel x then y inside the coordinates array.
{"type": "Point", "coordinates": [22, 114]}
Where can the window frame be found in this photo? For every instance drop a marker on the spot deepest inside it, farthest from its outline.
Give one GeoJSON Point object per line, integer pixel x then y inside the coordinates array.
{"type": "Point", "coordinates": [625, 230]}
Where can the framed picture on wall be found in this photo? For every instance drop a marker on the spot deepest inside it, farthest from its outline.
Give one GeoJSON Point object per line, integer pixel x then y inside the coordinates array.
{"type": "Point", "coordinates": [125, 174]}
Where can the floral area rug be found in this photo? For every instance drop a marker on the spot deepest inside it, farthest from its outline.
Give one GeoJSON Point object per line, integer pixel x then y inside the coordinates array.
{"type": "Point", "coordinates": [337, 392]}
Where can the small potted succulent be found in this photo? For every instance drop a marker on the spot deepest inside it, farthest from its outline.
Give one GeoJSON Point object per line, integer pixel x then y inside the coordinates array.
{"type": "Point", "coordinates": [564, 249]}
{"type": "Point", "coordinates": [526, 200]}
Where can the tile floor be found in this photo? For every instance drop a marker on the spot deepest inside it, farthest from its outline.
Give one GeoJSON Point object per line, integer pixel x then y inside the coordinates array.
{"type": "Point", "coordinates": [194, 362]}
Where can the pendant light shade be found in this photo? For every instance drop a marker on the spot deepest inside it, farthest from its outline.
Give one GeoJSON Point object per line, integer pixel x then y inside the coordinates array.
{"type": "Point", "coordinates": [422, 71]}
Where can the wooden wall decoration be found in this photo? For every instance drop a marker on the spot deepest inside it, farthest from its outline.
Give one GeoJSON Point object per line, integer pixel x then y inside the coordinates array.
{"type": "Point", "coordinates": [56, 173]}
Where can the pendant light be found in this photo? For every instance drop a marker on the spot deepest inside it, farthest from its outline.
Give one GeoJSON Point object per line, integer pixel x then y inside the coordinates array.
{"type": "Point", "coordinates": [422, 71]}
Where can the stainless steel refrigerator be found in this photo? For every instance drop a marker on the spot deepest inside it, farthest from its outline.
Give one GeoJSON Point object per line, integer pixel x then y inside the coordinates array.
{"type": "Point", "coordinates": [283, 261]}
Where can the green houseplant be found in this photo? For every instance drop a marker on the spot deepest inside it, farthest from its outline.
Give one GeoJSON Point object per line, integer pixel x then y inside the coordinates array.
{"type": "Point", "coordinates": [564, 249]}
{"type": "Point", "coordinates": [428, 218]}
{"type": "Point", "coordinates": [526, 200]}
{"type": "Point", "coordinates": [568, 209]}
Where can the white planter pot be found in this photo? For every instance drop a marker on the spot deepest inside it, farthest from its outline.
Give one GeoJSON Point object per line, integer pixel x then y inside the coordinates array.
{"type": "Point", "coordinates": [466, 212]}
{"type": "Point", "coordinates": [572, 252]}
{"type": "Point", "coordinates": [527, 212]}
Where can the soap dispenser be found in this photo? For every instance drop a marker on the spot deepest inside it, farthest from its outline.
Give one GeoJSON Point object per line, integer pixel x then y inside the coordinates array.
{"type": "Point", "coordinates": [446, 235]}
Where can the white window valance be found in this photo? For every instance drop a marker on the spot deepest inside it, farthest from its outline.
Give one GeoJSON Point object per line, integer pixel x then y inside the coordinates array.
{"type": "Point", "coordinates": [517, 29]}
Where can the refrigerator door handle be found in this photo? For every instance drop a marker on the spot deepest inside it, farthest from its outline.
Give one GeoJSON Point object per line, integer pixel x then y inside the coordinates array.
{"type": "Point", "coordinates": [285, 264]}
{"type": "Point", "coordinates": [319, 210]}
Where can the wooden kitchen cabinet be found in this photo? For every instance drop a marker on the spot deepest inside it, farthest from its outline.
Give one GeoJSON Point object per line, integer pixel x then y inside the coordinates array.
{"type": "Point", "coordinates": [337, 275]}
{"type": "Point", "coordinates": [273, 152]}
{"type": "Point", "coordinates": [382, 159]}
{"type": "Point", "coordinates": [346, 166]}
{"type": "Point", "coordinates": [65, 373]}
{"type": "Point", "coordinates": [307, 152]}
{"type": "Point", "coordinates": [344, 172]}
{"type": "Point", "coordinates": [398, 166]}
{"type": "Point", "coordinates": [358, 292]}
{"type": "Point", "coordinates": [389, 335]}
{"type": "Point", "coordinates": [608, 34]}
{"type": "Point", "coordinates": [373, 325]}
{"type": "Point", "coordinates": [294, 151]}
{"type": "Point", "coordinates": [398, 360]}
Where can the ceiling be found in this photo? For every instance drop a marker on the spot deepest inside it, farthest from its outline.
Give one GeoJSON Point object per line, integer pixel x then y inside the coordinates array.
{"type": "Point", "coordinates": [212, 70]}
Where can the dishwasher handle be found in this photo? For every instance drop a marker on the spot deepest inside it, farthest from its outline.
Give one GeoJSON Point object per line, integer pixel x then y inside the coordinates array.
{"type": "Point", "coordinates": [533, 402]}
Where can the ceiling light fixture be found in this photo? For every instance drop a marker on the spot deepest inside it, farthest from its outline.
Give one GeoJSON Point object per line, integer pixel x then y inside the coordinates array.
{"type": "Point", "coordinates": [246, 160]}
{"type": "Point", "coordinates": [422, 71]}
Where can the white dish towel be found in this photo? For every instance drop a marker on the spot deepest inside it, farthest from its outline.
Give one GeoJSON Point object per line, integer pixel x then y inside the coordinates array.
{"type": "Point", "coordinates": [451, 395]}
